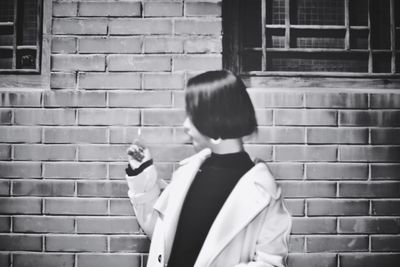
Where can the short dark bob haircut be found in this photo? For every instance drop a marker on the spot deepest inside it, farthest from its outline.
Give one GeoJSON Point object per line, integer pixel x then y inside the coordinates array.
{"type": "Point", "coordinates": [219, 106]}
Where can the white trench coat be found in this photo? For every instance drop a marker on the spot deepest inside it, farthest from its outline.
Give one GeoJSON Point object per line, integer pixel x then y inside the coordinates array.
{"type": "Point", "coordinates": [252, 228]}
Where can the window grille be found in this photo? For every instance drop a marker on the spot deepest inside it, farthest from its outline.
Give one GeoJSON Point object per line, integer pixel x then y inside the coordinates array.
{"type": "Point", "coordinates": [20, 35]}
{"type": "Point", "coordinates": [332, 37]}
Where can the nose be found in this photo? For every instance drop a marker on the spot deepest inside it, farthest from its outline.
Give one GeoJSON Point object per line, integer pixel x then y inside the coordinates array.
{"type": "Point", "coordinates": [186, 125]}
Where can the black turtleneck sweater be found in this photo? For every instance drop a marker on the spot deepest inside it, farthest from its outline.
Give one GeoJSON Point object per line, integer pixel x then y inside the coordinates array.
{"type": "Point", "coordinates": [209, 190]}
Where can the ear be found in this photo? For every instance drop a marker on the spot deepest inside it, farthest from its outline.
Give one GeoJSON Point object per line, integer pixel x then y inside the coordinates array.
{"type": "Point", "coordinates": [215, 141]}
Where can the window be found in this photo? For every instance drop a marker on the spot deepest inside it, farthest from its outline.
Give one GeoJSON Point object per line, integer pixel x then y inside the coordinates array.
{"type": "Point", "coordinates": [20, 36]}
{"type": "Point", "coordinates": [327, 37]}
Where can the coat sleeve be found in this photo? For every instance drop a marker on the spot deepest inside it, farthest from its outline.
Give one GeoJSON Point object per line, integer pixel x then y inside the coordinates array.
{"type": "Point", "coordinates": [272, 246]}
{"type": "Point", "coordinates": [144, 190]}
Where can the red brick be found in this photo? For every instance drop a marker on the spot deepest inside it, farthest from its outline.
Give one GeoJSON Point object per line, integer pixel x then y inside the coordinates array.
{"type": "Point", "coordinates": [164, 170]}
{"type": "Point", "coordinates": [296, 244]}
{"type": "Point", "coordinates": [295, 206]}
{"type": "Point", "coordinates": [385, 207]}
{"type": "Point", "coordinates": [278, 135]}
{"type": "Point", "coordinates": [137, 244]}
{"type": "Point", "coordinates": [75, 206]}
{"type": "Point", "coordinates": [78, 62]}
{"type": "Point", "coordinates": [140, 26]}
{"type": "Point", "coordinates": [72, 135]}
{"type": "Point", "coordinates": [74, 170]}
{"type": "Point", "coordinates": [286, 171]}
{"type": "Point", "coordinates": [163, 81]}
{"type": "Point", "coordinates": [163, 45]}
{"type": "Point", "coordinates": [4, 188]}
{"type": "Point", "coordinates": [5, 116]}
{"type": "Point", "coordinates": [121, 207]}
{"type": "Point", "coordinates": [314, 226]}
{"type": "Point", "coordinates": [197, 62]}
{"type": "Point", "coordinates": [306, 153]}
{"type": "Point", "coordinates": [308, 189]}
{"type": "Point", "coordinates": [337, 136]}
{"type": "Point", "coordinates": [63, 80]}
{"type": "Point", "coordinates": [336, 100]}
{"type": "Point", "coordinates": [43, 188]}
{"type": "Point", "coordinates": [63, 45]}
{"type": "Point", "coordinates": [268, 99]}
{"type": "Point", "coordinates": [148, 135]}
{"type": "Point", "coordinates": [369, 225]}
{"type": "Point", "coordinates": [20, 169]}
{"type": "Point", "coordinates": [74, 99]}
{"type": "Point", "coordinates": [110, 44]}
{"type": "Point", "coordinates": [305, 117]}
{"type": "Point", "coordinates": [385, 243]}
{"type": "Point", "coordinates": [74, 243]}
{"type": "Point", "coordinates": [138, 63]}
{"type": "Point", "coordinates": [107, 80]}
{"type": "Point", "coordinates": [369, 260]}
{"type": "Point", "coordinates": [337, 207]}
{"type": "Point", "coordinates": [21, 205]}
{"type": "Point", "coordinates": [312, 260]}
{"type": "Point", "coordinates": [198, 27]}
{"type": "Point", "coordinates": [162, 9]}
{"type": "Point", "coordinates": [203, 9]}
{"type": "Point", "coordinates": [163, 117]}
{"type": "Point", "coordinates": [44, 152]}
{"type": "Point", "coordinates": [385, 171]}
{"type": "Point", "coordinates": [5, 152]}
{"type": "Point", "coordinates": [102, 153]}
{"type": "Point", "coordinates": [20, 242]}
{"type": "Point", "coordinates": [108, 117]}
{"type": "Point", "coordinates": [109, 259]}
{"type": "Point", "coordinates": [111, 9]}
{"type": "Point", "coordinates": [385, 136]}
{"type": "Point", "coordinates": [369, 118]}
{"type": "Point", "coordinates": [369, 153]}
{"type": "Point", "coordinates": [336, 243]}
{"type": "Point", "coordinates": [63, 9]}
{"type": "Point", "coordinates": [102, 189]}
{"type": "Point", "coordinates": [5, 259]}
{"type": "Point", "coordinates": [170, 153]}
{"type": "Point", "coordinates": [369, 189]}
{"type": "Point", "coordinates": [202, 45]}
{"type": "Point", "coordinates": [79, 26]}
{"type": "Point", "coordinates": [20, 99]}
{"type": "Point", "coordinates": [43, 260]}
{"type": "Point", "coordinates": [178, 99]}
{"type": "Point", "coordinates": [264, 117]}
{"type": "Point", "coordinates": [340, 171]}
{"type": "Point", "coordinates": [140, 99]}
{"type": "Point", "coordinates": [385, 100]}
{"type": "Point", "coordinates": [107, 225]}
{"type": "Point", "coordinates": [262, 152]}
{"type": "Point", "coordinates": [41, 224]}
{"type": "Point", "coordinates": [17, 134]}
{"type": "Point", "coordinates": [44, 116]}
{"type": "Point", "coordinates": [5, 224]}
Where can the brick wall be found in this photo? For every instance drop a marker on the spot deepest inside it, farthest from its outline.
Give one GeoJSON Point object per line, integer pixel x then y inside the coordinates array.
{"type": "Point", "coordinates": [120, 65]}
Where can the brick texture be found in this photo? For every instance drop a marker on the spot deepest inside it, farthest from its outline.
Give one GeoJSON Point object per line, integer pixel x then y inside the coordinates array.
{"type": "Point", "coordinates": [117, 66]}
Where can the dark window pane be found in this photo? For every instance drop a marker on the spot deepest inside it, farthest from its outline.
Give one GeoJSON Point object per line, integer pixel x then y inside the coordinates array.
{"type": "Point", "coordinates": [380, 24]}
{"type": "Point", "coordinates": [278, 11]}
{"type": "Point", "coordinates": [29, 32]}
{"type": "Point", "coordinates": [26, 59]}
{"type": "Point", "coordinates": [359, 39]}
{"type": "Point", "coordinates": [317, 38]}
{"type": "Point", "coordinates": [381, 62]}
{"type": "Point", "coordinates": [358, 10]}
{"type": "Point", "coordinates": [6, 35]}
{"type": "Point", "coordinates": [398, 39]}
{"type": "Point", "coordinates": [6, 11]}
{"type": "Point", "coordinates": [6, 59]}
{"type": "Point", "coordinates": [398, 62]}
{"type": "Point", "coordinates": [318, 12]}
{"type": "Point", "coordinates": [318, 62]}
{"type": "Point", "coordinates": [275, 38]}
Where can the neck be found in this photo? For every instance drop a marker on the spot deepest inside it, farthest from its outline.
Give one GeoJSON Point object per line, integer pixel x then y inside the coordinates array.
{"type": "Point", "coordinates": [227, 146]}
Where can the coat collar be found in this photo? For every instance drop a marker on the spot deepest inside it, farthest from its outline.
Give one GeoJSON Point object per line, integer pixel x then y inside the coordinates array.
{"type": "Point", "coordinates": [248, 198]}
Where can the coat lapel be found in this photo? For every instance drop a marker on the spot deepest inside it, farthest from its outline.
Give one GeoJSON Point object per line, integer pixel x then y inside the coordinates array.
{"type": "Point", "coordinates": [246, 201]}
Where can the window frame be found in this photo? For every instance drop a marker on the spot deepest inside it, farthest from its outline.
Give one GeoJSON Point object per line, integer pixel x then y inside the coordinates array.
{"type": "Point", "coordinates": [39, 78]}
{"type": "Point", "coordinates": [232, 49]}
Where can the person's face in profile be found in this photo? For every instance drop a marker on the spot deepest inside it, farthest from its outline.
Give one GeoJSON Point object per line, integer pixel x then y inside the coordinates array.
{"type": "Point", "coordinates": [199, 140]}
